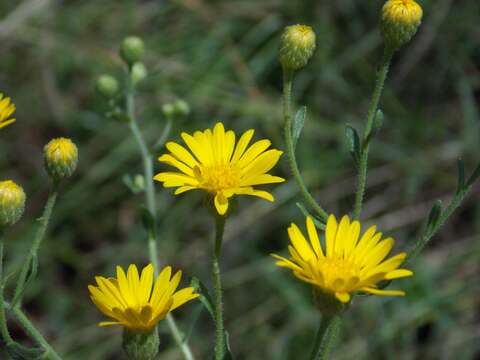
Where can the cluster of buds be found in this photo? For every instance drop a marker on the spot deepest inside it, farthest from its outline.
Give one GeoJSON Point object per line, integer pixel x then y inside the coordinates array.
{"type": "Point", "coordinates": [176, 109]}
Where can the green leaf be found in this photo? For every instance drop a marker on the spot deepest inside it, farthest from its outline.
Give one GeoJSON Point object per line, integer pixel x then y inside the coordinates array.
{"type": "Point", "coordinates": [461, 176]}
{"type": "Point", "coordinates": [318, 223]}
{"type": "Point", "coordinates": [474, 176]}
{"type": "Point", "coordinates": [20, 352]}
{"type": "Point", "coordinates": [205, 297]}
{"type": "Point", "coordinates": [228, 350]}
{"type": "Point", "coordinates": [31, 275]}
{"type": "Point", "coordinates": [297, 125]}
{"type": "Point", "coordinates": [434, 215]}
{"type": "Point", "coordinates": [353, 142]}
{"type": "Point", "coordinates": [376, 126]}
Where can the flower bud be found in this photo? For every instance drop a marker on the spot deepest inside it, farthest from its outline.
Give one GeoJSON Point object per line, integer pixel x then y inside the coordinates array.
{"type": "Point", "coordinates": [139, 72]}
{"type": "Point", "coordinates": [60, 157]}
{"type": "Point", "coordinates": [181, 108]}
{"type": "Point", "coordinates": [132, 49]}
{"type": "Point", "coordinates": [168, 110]}
{"type": "Point", "coordinates": [12, 203]}
{"type": "Point", "coordinates": [107, 85]}
{"type": "Point", "coordinates": [297, 46]}
{"type": "Point", "coordinates": [400, 21]}
{"type": "Point", "coordinates": [140, 345]}
{"type": "Point", "coordinates": [327, 303]}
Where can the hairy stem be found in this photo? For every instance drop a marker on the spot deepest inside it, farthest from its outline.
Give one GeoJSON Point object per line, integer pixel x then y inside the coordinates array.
{"type": "Point", "coordinates": [287, 114]}
{"type": "Point", "coordinates": [217, 284]}
{"type": "Point", "coordinates": [372, 111]}
{"type": "Point", "coordinates": [3, 318]}
{"type": "Point", "coordinates": [325, 338]}
{"type": "Point", "coordinates": [151, 206]}
{"type": "Point", "coordinates": [42, 228]}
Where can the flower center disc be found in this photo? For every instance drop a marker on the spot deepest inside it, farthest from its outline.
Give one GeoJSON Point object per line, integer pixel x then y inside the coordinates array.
{"type": "Point", "coordinates": [218, 177]}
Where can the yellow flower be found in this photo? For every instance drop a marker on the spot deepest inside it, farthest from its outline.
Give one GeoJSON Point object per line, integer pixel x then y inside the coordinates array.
{"type": "Point", "coordinates": [400, 21]}
{"type": "Point", "coordinates": [218, 165]}
{"type": "Point", "coordinates": [130, 300]}
{"type": "Point", "coordinates": [350, 263]}
{"type": "Point", "coordinates": [6, 109]}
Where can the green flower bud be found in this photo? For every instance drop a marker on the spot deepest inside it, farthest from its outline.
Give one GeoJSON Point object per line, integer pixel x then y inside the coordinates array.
{"type": "Point", "coordinates": [181, 108]}
{"type": "Point", "coordinates": [139, 345]}
{"type": "Point", "coordinates": [327, 303]}
{"type": "Point", "coordinates": [297, 46]}
{"type": "Point", "coordinates": [132, 49]}
{"type": "Point", "coordinates": [168, 110]}
{"type": "Point", "coordinates": [400, 21]}
{"type": "Point", "coordinates": [107, 85]}
{"type": "Point", "coordinates": [139, 72]}
{"type": "Point", "coordinates": [60, 158]}
{"type": "Point", "coordinates": [12, 203]}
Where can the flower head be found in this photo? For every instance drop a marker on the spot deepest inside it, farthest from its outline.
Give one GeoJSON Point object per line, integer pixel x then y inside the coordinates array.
{"type": "Point", "coordinates": [6, 110]}
{"type": "Point", "coordinates": [61, 158]}
{"type": "Point", "coordinates": [400, 21]}
{"type": "Point", "coordinates": [134, 301]}
{"type": "Point", "coordinates": [297, 46]}
{"type": "Point", "coordinates": [220, 166]}
{"type": "Point", "coordinates": [349, 264]}
{"type": "Point", "coordinates": [12, 203]}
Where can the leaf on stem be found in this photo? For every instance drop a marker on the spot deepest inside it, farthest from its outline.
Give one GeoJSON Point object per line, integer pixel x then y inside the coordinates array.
{"type": "Point", "coordinates": [228, 350]}
{"type": "Point", "coordinates": [205, 297]}
{"type": "Point", "coordinates": [318, 223]}
{"type": "Point", "coordinates": [475, 175]}
{"type": "Point", "coordinates": [297, 125]}
{"type": "Point", "coordinates": [434, 215]}
{"type": "Point", "coordinates": [31, 275]}
{"type": "Point", "coordinates": [376, 126]}
{"type": "Point", "coordinates": [353, 143]}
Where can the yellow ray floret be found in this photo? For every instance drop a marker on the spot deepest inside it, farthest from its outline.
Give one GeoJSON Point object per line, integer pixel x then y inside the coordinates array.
{"type": "Point", "coordinates": [6, 110]}
{"type": "Point", "coordinates": [350, 262]}
{"type": "Point", "coordinates": [217, 164]}
{"type": "Point", "coordinates": [136, 302]}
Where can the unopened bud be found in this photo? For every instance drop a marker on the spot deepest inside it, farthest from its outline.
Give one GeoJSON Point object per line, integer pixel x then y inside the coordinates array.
{"type": "Point", "coordinates": [107, 85]}
{"type": "Point", "coordinates": [132, 49]}
{"type": "Point", "coordinates": [139, 72]}
{"type": "Point", "coordinates": [168, 110]}
{"type": "Point", "coordinates": [400, 21]}
{"type": "Point", "coordinates": [12, 203]}
{"type": "Point", "coordinates": [297, 46]}
{"type": "Point", "coordinates": [60, 157]}
{"type": "Point", "coordinates": [181, 108]}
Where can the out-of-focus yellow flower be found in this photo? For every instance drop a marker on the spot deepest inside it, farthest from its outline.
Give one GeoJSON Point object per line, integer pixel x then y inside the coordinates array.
{"type": "Point", "coordinates": [400, 21]}
{"type": "Point", "coordinates": [220, 166]}
{"type": "Point", "coordinates": [350, 263]}
{"type": "Point", "coordinates": [12, 203]}
{"type": "Point", "coordinates": [7, 108]}
{"type": "Point", "coordinates": [134, 301]}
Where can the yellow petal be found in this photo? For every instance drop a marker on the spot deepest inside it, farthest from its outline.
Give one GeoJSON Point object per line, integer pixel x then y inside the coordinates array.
{"type": "Point", "coordinates": [314, 240]}
{"type": "Point", "coordinates": [221, 203]}
{"type": "Point", "coordinates": [181, 154]}
{"type": "Point", "coordinates": [242, 145]}
{"type": "Point", "coordinates": [343, 296]}
{"type": "Point", "coordinates": [330, 235]}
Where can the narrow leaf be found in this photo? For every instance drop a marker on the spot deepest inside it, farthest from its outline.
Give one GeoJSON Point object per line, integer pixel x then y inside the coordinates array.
{"type": "Point", "coordinates": [298, 123]}
{"type": "Point", "coordinates": [474, 176]}
{"type": "Point", "coordinates": [315, 220]}
{"type": "Point", "coordinates": [205, 297]}
{"type": "Point", "coordinates": [353, 142]}
{"type": "Point", "coordinates": [434, 215]}
{"type": "Point", "coordinates": [20, 352]}
{"type": "Point", "coordinates": [228, 350]}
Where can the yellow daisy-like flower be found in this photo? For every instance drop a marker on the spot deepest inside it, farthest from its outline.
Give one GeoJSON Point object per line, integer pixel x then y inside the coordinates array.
{"type": "Point", "coordinates": [218, 165]}
{"type": "Point", "coordinates": [134, 302]}
{"type": "Point", "coordinates": [350, 263]}
{"type": "Point", "coordinates": [6, 109]}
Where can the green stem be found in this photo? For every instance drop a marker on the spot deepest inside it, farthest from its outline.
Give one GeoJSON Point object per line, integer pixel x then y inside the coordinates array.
{"type": "Point", "coordinates": [3, 319]}
{"type": "Point", "coordinates": [42, 228]}
{"type": "Point", "coordinates": [287, 114]}
{"type": "Point", "coordinates": [147, 159]}
{"type": "Point", "coordinates": [34, 333]}
{"type": "Point", "coordinates": [325, 338]}
{"type": "Point", "coordinates": [372, 111]}
{"type": "Point", "coordinates": [217, 284]}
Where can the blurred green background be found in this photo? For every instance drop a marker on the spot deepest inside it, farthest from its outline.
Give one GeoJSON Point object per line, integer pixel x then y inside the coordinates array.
{"type": "Point", "coordinates": [220, 56]}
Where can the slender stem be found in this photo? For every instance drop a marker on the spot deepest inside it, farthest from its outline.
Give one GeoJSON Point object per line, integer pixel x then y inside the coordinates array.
{"type": "Point", "coordinates": [287, 114]}
{"type": "Point", "coordinates": [151, 206]}
{"type": "Point", "coordinates": [325, 338]}
{"type": "Point", "coordinates": [42, 228]}
{"type": "Point", "coordinates": [3, 319]}
{"type": "Point", "coordinates": [217, 284]}
{"type": "Point", "coordinates": [372, 111]}
{"type": "Point", "coordinates": [34, 333]}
